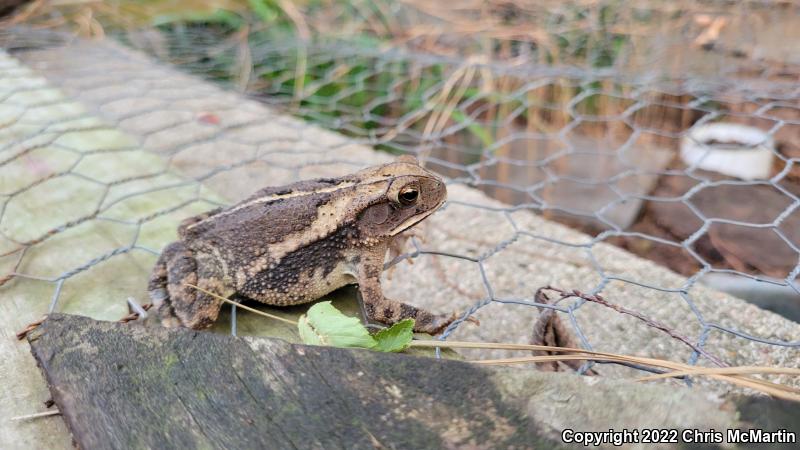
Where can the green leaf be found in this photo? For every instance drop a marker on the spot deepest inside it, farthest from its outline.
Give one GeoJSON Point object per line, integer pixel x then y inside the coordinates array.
{"type": "Point", "coordinates": [395, 338]}
{"type": "Point", "coordinates": [307, 334]}
{"type": "Point", "coordinates": [218, 16]}
{"type": "Point", "coordinates": [325, 325]}
{"type": "Point", "coordinates": [266, 10]}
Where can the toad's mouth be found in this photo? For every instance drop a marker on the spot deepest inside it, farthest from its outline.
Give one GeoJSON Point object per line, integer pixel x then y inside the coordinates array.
{"type": "Point", "coordinates": [415, 219]}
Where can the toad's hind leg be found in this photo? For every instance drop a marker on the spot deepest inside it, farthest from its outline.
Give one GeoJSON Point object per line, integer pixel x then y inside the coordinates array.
{"type": "Point", "coordinates": [178, 303]}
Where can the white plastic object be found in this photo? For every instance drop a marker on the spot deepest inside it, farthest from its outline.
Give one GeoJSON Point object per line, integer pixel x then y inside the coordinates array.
{"type": "Point", "coordinates": [736, 150]}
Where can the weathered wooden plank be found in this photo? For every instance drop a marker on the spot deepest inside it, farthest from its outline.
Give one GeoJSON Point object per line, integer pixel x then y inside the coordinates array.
{"type": "Point", "coordinates": [128, 386]}
{"type": "Point", "coordinates": [122, 386]}
{"type": "Point", "coordinates": [134, 386]}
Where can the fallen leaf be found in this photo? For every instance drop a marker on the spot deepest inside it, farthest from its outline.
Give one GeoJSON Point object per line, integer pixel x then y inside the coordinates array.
{"type": "Point", "coordinates": [323, 324]}
{"type": "Point", "coordinates": [395, 338]}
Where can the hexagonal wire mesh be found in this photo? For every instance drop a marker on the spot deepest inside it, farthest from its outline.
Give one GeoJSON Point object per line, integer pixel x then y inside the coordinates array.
{"type": "Point", "coordinates": [590, 140]}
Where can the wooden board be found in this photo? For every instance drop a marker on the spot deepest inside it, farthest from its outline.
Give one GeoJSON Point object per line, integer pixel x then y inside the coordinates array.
{"type": "Point", "coordinates": [129, 386]}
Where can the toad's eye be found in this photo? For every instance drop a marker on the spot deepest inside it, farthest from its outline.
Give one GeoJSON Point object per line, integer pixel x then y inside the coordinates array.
{"type": "Point", "coordinates": [408, 196]}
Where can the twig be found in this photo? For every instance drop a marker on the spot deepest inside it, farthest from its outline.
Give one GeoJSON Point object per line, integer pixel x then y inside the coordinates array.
{"type": "Point", "coordinates": [134, 315]}
{"type": "Point", "coordinates": [54, 412]}
{"type": "Point", "coordinates": [31, 326]}
{"type": "Point", "coordinates": [649, 322]}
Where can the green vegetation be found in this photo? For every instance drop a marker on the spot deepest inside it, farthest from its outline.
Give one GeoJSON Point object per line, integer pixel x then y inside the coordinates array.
{"type": "Point", "coordinates": [332, 62]}
{"type": "Point", "coordinates": [323, 324]}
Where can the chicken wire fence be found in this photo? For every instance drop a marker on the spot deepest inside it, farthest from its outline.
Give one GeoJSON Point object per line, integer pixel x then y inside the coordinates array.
{"type": "Point", "coordinates": [595, 145]}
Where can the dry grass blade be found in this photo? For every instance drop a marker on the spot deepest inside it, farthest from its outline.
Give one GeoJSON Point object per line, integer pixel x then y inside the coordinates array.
{"type": "Point", "coordinates": [547, 358]}
{"type": "Point", "coordinates": [731, 375]}
{"type": "Point", "coordinates": [741, 370]}
{"type": "Point", "coordinates": [247, 308]}
{"type": "Point", "coordinates": [728, 374]}
{"type": "Point", "coordinates": [766, 387]}
{"type": "Point", "coordinates": [498, 346]}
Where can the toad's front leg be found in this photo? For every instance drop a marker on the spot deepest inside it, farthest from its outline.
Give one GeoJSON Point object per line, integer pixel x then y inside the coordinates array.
{"type": "Point", "coordinates": [382, 309]}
